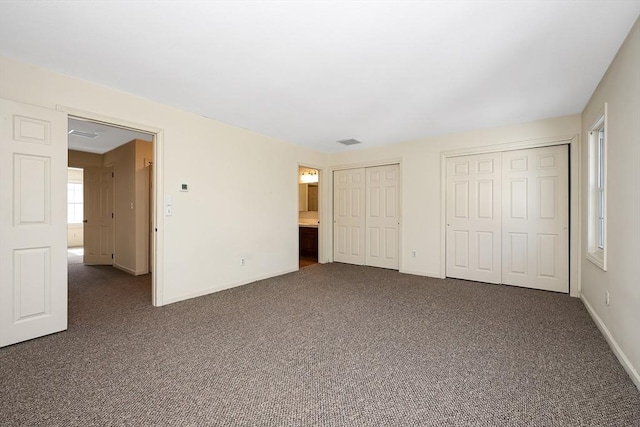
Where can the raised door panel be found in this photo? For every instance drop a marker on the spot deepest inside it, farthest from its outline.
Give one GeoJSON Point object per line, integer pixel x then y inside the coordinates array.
{"type": "Point", "coordinates": [33, 222]}
{"type": "Point", "coordinates": [536, 216]}
{"type": "Point", "coordinates": [349, 220]}
{"type": "Point", "coordinates": [98, 215]}
{"type": "Point", "coordinates": [473, 212]}
{"type": "Point", "coordinates": [382, 184]}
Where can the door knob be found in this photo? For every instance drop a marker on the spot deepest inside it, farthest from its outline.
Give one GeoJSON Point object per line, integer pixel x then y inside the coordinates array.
{"type": "Point", "coordinates": [84, 220]}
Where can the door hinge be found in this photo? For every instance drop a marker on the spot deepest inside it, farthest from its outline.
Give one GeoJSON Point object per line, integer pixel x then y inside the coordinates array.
{"type": "Point", "coordinates": [113, 174]}
{"type": "Point", "coordinates": [111, 256]}
{"type": "Point", "coordinates": [112, 215]}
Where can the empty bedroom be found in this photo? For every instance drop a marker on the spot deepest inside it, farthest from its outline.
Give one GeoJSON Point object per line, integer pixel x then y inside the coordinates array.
{"type": "Point", "coordinates": [354, 213]}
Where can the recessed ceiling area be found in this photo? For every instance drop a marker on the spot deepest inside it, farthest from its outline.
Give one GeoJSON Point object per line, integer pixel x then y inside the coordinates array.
{"type": "Point", "coordinates": [99, 138]}
{"type": "Point", "coordinates": [315, 72]}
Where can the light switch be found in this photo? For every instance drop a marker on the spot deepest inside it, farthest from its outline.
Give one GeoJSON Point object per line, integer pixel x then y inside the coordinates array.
{"type": "Point", "coordinates": [168, 210]}
{"type": "Point", "coordinates": [168, 200]}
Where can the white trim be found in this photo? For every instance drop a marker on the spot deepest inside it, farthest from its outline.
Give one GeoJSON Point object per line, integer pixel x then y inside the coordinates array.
{"type": "Point", "coordinates": [128, 270]}
{"type": "Point", "coordinates": [624, 360]}
{"type": "Point", "coordinates": [511, 146]}
{"type": "Point", "coordinates": [226, 286]}
{"type": "Point", "coordinates": [596, 255]}
{"type": "Point", "coordinates": [574, 191]}
{"type": "Point", "coordinates": [369, 164]}
{"type": "Point", "coordinates": [157, 278]}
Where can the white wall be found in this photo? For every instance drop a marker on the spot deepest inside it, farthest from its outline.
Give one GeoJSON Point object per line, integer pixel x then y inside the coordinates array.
{"type": "Point", "coordinates": [227, 214]}
{"type": "Point", "coordinates": [421, 181]}
{"type": "Point", "coordinates": [620, 321]}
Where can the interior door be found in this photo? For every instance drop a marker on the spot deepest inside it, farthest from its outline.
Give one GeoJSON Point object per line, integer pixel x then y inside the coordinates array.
{"type": "Point", "coordinates": [151, 221]}
{"type": "Point", "coordinates": [382, 216]}
{"type": "Point", "coordinates": [98, 215]}
{"type": "Point", "coordinates": [349, 216]}
{"type": "Point", "coordinates": [33, 222]}
{"type": "Point", "coordinates": [473, 213]}
{"type": "Point", "coordinates": [535, 218]}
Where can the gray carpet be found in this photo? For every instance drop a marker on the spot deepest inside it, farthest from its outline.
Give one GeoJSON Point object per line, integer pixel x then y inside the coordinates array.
{"type": "Point", "coordinates": [330, 345]}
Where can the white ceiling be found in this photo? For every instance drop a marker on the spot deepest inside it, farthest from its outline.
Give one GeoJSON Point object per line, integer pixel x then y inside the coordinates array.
{"type": "Point", "coordinates": [107, 137]}
{"type": "Point", "coordinates": [314, 72]}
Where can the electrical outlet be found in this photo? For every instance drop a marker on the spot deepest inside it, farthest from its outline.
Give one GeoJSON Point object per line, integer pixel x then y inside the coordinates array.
{"type": "Point", "coordinates": [414, 253]}
{"type": "Point", "coordinates": [242, 261]}
{"type": "Point", "coordinates": [607, 298]}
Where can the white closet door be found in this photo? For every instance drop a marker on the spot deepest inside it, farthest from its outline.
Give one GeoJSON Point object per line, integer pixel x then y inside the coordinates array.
{"type": "Point", "coordinates": [349, 216]}
{"type": "Point", "coordinates": [535, 218]}
{"type": "Point", "coordinates": [473, 246]}
{"type": "Point", "coordinates": [382, 216]}
{"type": "Point", "coordinates": [33, 222]}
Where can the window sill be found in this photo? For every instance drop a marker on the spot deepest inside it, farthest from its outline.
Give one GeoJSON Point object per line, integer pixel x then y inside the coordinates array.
{"type": "Point", "coordinates": [598, 259]}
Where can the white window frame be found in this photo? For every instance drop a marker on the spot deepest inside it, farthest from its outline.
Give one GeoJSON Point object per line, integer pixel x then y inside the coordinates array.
{"type": "Point", "coordinates": [74, 203]}
{"type": "Point", "coordinates": [597, 213]}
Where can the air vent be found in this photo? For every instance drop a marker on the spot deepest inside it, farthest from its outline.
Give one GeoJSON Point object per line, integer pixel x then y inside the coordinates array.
{"type": "Point", "coordinates": [83, 134]}
{"type": "Point", "coordinates": [349, 141]}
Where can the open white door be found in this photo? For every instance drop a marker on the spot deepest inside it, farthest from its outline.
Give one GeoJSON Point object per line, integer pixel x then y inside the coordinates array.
{"type": "Point", "coordinates": [348, 216]}
{"type": "Point", "coordinates": [98, 215]}
{"type": "Point", "coordinates": [33, 222]}
{"type": "Point", "coordinates": [382, 216]}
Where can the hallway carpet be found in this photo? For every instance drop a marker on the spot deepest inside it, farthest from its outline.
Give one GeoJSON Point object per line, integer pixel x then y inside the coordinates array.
{"type": "Point", "coordinates": [329, 345]}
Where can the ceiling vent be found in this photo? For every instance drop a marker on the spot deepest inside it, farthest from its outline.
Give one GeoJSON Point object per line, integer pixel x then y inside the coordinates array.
{"type": "Point", "coordinates": [349, 141]}
{"type": "Point", "coordinates": [83, 134]}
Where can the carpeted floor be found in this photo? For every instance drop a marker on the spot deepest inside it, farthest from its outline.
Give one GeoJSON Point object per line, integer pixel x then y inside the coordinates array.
{"type": "Point", "coordinates": [330, 345]}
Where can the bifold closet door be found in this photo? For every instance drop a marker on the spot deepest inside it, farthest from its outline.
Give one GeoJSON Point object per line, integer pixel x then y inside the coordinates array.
{"type": "Point", "coordinates": [508, 217]}
{"type": "Point", "coordinates": [382, 216]}
{"type": "Point", "coordinates": [535, 218]}
{"type": "Point", "coordinates": [349, 216]}
{"type": "Point", "coordinates": [473, 245]}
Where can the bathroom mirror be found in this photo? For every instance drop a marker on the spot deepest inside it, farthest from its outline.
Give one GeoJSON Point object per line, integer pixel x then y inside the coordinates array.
{"type": "Point", "coordinates": [308, 197]}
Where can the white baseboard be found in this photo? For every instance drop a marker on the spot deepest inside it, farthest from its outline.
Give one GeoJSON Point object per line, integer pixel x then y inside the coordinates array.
{"type": "Point", "coordinates": [125, 269]}
{"type": "Point", "coordinates": [129, 270]}
{"type": "Point", "coordinates": [208, 291]}
{"type": "Point", "coordinates": [624, 360]}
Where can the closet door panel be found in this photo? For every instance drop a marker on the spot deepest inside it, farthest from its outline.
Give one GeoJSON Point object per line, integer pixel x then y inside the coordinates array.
{"type": "Point", "coordinates": [535, 218]}
{"type": "Point", "coordinates": [382, 184]}
{"type": "Point", "coordinates": [473, 246]}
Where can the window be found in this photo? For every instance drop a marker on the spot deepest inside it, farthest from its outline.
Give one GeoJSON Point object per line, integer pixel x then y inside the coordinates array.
{"type": "Point", "coordinates": [597, 233]}
{"type": "Point", "coordinates": [75, 205]}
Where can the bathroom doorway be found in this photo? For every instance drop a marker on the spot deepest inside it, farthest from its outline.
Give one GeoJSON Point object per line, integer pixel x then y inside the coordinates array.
{"type": "Point", "coordinates": [308, 216]}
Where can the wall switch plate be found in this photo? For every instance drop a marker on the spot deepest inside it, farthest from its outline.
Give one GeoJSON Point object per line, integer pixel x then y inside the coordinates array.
{"type": "Point", "coordinates": [168, 210]}
{"type": "Point", "coordinates": [607, 298]}
{"type": "Point", "coordinates": [242, 262]}
{"type": "Point", "coordinates": [414, 254]}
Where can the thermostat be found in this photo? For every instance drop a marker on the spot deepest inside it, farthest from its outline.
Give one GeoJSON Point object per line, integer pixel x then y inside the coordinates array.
{"type": "Point", "coordinates": [184, 187]}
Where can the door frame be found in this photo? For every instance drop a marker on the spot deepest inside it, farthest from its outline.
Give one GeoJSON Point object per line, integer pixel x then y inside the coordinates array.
{"type": "Point", "coordinates": [574, 195]}
{"type": "Point", "coordinates": [157, 277]}
{"type": "Point", "coordinates": [322, 258]}
{"type": "Point", "coordinates": [329, 204]}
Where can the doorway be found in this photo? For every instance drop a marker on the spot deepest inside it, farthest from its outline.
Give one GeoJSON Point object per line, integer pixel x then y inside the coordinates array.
{"type": "Point", "coordinates": [308, 216]}
{"type": "Point", "coordinates": [118, 212]}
